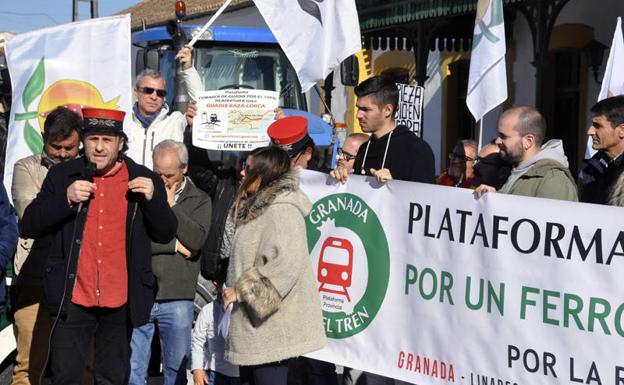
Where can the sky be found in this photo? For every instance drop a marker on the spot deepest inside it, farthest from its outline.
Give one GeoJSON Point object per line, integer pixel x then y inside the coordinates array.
{"type": "Point", "coordinates": [27, 15]}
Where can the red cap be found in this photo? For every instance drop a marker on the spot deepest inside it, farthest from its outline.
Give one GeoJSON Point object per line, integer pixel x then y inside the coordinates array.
{"type": "Point", "coordinates": [103, 120]}
{"type": "Point", "coordinates": [288, 130]}
{"type": "Point", "coordinates": [102, 113]}
{"type": "Point", "coordinates": [290, 134]}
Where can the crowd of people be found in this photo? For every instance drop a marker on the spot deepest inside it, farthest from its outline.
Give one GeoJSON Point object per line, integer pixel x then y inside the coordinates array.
{"type": "Point", "coordinates": [113, 234]}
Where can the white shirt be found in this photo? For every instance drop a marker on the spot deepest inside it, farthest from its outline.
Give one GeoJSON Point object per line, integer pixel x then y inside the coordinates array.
{"type": "Point", "coordinates": [141, 141]}
{"type": "Point", "coordinates": [180, 189]}
{"type": "Point", "coordinates": [207, 346]}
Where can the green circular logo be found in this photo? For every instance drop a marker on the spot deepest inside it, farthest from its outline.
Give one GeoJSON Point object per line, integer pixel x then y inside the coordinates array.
{"type": "Point", "coordinates": [351, 262]}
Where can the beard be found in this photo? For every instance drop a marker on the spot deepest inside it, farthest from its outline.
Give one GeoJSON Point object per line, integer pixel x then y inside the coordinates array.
{"type": "Point", "coordinates": [514, 154]}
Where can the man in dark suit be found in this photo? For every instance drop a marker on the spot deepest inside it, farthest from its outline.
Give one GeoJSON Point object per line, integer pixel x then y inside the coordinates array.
{"type": "Point", "coordinates": [98, 276]}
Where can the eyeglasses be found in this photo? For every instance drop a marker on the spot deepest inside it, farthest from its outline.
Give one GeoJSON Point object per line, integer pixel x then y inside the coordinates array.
{"type": "Point", "coordinates": [348, 157]}
{"type": "Point", "coordinates": [463, 158]}
{"type": "Point", "coordinates": [150, 90]}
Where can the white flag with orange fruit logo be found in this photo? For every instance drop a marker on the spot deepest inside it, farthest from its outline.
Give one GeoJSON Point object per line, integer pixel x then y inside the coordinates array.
{"type": "Point", "coordinates": [82, 64]}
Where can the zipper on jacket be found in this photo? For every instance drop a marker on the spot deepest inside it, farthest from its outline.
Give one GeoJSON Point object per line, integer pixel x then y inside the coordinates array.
{"type": "Point", "coordinates": [131, 226]}
{"type": "Point", "coordinates": [145, 144]}
{"type": "Point", "coordinates": [129, 246]}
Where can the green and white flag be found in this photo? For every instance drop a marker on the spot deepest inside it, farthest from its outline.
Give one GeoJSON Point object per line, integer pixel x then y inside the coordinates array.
{"type": "Point", "coordinates": [487, 82]}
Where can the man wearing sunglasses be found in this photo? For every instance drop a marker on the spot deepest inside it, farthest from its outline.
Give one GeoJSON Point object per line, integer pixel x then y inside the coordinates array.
{"type": "Point", "coordinates": [152, 119]}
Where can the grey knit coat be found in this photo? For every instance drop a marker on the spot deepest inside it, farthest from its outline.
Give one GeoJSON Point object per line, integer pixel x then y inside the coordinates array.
{"type": "Point", "coordinates": [278, 315]}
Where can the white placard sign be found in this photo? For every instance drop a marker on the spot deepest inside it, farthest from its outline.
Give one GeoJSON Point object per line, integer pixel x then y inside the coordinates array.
{"type": "Point", "coordinates": [234, 119]}
{"type": "Point", "coordinates": [409, 110]}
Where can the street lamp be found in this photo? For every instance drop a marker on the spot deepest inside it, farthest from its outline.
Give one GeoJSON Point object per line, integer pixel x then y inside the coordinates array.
{"type": "Point", "coordinates": [595, 53]}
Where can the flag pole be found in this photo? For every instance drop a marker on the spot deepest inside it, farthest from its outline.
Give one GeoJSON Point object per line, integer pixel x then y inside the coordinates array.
{"type": "Point", "coordinates": [612, 80]}
{"type": "Point", "coordinates": [480, 135]}
{"type": "Point", "coordinates": [209, 23]}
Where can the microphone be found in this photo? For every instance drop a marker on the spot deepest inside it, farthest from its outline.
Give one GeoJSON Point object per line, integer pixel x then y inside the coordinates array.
{"type": "Point", "coordinates": [87, 174]}
{"type": "Point", "coordinates": [89, 171]}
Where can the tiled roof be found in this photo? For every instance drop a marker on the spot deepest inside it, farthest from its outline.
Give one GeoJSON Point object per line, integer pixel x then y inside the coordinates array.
{"type": "Point", "coordinates": [158, 12]}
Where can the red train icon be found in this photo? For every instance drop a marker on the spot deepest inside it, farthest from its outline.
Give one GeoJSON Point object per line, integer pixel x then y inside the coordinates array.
{"type": "Point", "coordinates": [335, 266]}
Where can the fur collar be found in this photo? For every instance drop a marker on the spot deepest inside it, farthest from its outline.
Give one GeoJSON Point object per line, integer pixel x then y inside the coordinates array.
{"type": "Point", "coordinates": [252, 207]}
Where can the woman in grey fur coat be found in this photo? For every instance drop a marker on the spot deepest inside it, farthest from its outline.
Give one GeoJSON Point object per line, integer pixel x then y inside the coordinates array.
{"type": "Point", "coordinates": [276, 314]}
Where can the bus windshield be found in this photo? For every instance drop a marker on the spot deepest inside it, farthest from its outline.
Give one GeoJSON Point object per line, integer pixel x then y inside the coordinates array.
{"type": "Point", "coordinates": [262, 68]}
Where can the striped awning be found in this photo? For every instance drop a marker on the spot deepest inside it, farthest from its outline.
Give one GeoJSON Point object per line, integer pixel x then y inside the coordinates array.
{"type": "Point", "coordinates": [375, 14]}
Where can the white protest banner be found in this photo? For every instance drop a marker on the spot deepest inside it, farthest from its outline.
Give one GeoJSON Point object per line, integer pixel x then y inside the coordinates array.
{"type": "Point", "coordinates": [409, 109]}
{"type": "Point", "coordinates": [234, 119]}
{"type": "Point", "coordinates": [82, 64]}
{"type": "Point", "coordinates": [429, 285]}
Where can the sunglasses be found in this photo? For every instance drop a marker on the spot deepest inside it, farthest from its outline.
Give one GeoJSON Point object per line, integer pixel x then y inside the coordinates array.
{"type": "Point", "coordinates": [345, 155]}
{"type": "Point", "coordinates": [150, 90]}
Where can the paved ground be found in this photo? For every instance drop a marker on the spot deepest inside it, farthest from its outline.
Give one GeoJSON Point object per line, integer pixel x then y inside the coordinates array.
{"type": "Point", "coordinates": [159, 380]}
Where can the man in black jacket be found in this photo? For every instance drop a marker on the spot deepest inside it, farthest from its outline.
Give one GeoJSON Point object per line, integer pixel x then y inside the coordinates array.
{"type": "Point", "coordinates": [98, 277]}
{"type": "Point", "coordinates": [392, 152]}
{"type": "Point", "coordinates": [603, 184]}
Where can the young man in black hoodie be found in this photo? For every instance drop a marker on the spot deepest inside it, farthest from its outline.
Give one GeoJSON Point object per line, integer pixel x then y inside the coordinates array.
{"type": "Point", "coordinates": [392, 152]}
